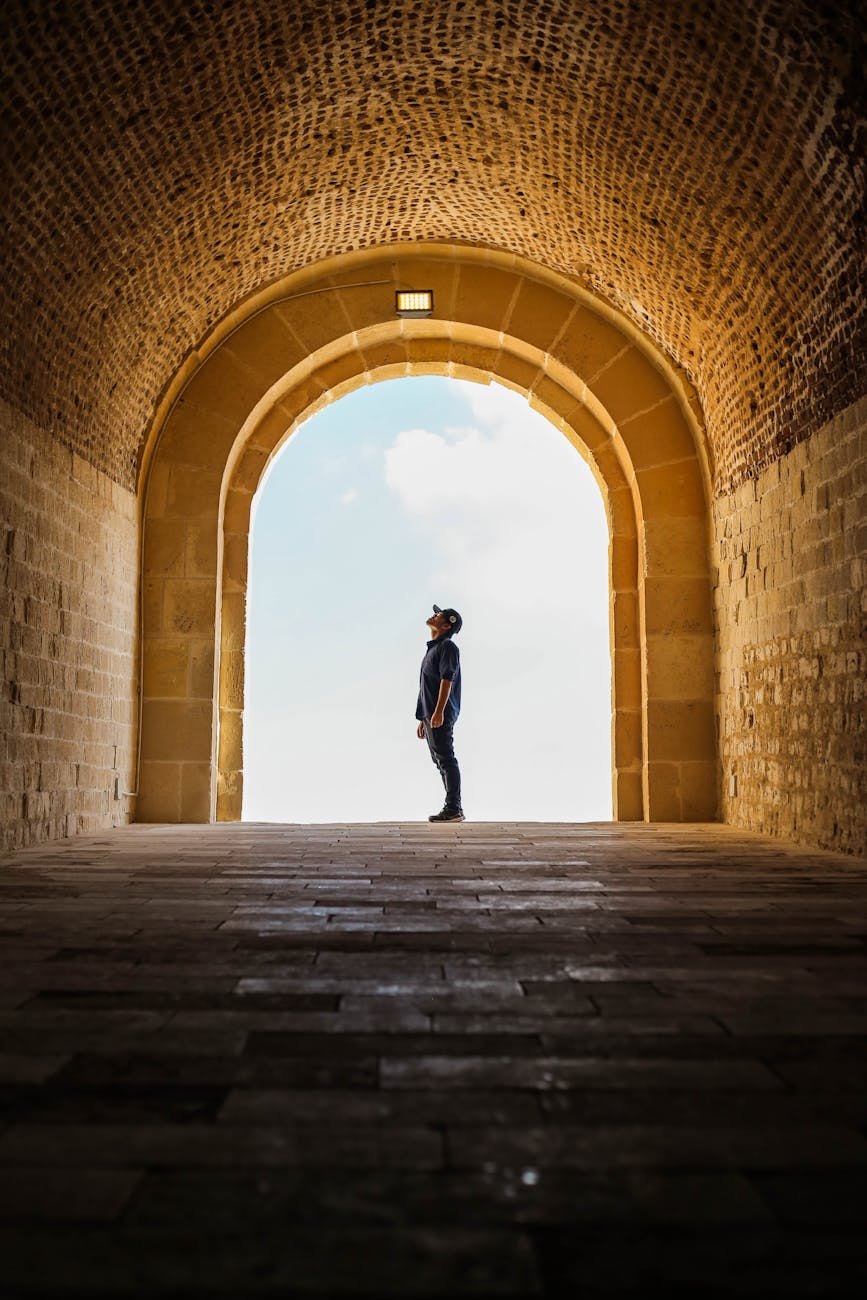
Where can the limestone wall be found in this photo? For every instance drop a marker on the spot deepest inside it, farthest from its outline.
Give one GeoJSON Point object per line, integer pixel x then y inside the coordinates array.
{"type": "Point", "coordinates": [791, 608]}
{"type": "Point", "coordinates": [68, 611]}
{"type": "Point", "coordinates": [699, 165]}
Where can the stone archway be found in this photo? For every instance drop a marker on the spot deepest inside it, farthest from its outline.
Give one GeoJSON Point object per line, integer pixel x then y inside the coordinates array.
{"type": "Point", "coordinates": [326, 331]}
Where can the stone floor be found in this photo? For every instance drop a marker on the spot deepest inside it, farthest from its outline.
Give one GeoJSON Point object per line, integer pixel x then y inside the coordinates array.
{"type": "Point", "coordinates": [420, 1061]}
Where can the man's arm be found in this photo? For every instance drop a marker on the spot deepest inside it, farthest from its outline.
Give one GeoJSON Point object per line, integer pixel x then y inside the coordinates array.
{"type": "Point", "coordinates": [442, 699]}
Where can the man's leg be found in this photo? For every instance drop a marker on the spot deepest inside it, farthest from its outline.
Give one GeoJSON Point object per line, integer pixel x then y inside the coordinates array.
{"type": "Point", "coordinates": [442, 750]}
{"type": "Point", "coordinates": [432, 749]}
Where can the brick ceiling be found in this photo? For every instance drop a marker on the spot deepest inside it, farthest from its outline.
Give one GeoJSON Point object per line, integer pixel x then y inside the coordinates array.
{"type": "Point", "coordinates": [700, 164]}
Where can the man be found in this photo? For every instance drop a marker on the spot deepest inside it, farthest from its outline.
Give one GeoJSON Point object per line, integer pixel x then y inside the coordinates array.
{"type": "Point", "coordinates": [439, 703]}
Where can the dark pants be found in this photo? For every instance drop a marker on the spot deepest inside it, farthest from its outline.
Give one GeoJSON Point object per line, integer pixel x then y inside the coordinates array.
{"type": "Point", "coordinates": [441, 743]}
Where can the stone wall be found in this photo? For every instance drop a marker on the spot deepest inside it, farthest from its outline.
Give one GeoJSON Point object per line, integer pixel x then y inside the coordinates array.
{"type": "Point", "coordinates": [698, 165]}
{"type": "Point", "coordinates": [791, 608]}
{"type": "Point", "coordinates": [68, 614]}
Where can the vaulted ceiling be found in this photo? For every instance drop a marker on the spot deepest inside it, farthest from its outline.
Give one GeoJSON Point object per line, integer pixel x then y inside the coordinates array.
{"type": "Point", "coordinates": [699, 165]}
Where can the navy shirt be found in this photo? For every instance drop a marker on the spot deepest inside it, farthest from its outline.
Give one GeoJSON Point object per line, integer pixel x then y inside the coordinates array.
{"type": "Point", "coordinates": [442, 661]}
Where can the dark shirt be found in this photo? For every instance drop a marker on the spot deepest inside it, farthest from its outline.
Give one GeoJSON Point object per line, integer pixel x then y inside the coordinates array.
{"type": "Point", "coordinates": [442, 661]}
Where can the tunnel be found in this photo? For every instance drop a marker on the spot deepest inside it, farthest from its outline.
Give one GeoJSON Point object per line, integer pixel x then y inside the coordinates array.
{"type": "Point", "coordinates": [648, 220]}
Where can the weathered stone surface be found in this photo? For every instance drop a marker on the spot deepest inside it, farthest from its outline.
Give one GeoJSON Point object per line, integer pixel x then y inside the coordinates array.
{"type": "Point", "coordinates": [699, 169]}
{"type": "Point", "coordinates": [69, 564]}
{"type": "Point", "coordinates": [668, 1082]}
{"type": "Point", "coordinates": [791, 564]}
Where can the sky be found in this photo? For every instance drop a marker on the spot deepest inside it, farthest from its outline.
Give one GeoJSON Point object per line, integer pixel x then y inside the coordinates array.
{"type": "Point", "coordinates": [404, 494]}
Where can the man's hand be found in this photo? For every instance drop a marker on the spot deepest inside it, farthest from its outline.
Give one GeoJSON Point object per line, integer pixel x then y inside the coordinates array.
{"type": "Point", "coordinates": [436, 718]}
{"type": "Point", "coordinates": [419, 731]}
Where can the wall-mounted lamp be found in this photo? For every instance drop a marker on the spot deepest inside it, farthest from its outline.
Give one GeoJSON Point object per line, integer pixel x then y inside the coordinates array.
{"type": "Point", "coordinates": [413, 302]}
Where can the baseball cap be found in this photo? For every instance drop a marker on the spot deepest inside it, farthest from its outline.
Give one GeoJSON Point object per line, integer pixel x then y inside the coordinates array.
{"type": "Point", "coordinates": [453, 617]}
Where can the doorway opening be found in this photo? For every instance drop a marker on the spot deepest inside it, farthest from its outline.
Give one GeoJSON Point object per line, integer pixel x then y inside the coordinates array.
{"type": "Point", "coordinates": [404, 493]}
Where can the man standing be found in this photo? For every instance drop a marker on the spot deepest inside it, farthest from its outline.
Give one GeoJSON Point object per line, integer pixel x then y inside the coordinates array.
{"type": "Point", "coordinates": [439, 703]}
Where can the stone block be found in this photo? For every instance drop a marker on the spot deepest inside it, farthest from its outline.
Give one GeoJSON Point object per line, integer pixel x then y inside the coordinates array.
{"type": "Point", "coordinates": [630, 384]}
{"type": "Point", "coordinates": [386, 358]}
{"type": "Point", "coordinates": [232, 680]}
{"type": "Point", "coordinates": [222, 386]}
{"type": "Point", "coordinates": [675, 546]}
{"type": "Point", "coordinates": [584, 428]}
{"type": "Point", "coordinates": [236, 515]}
{"type": "Point", "coordinates": [266, 347]}
{"type": "Point", "coordinates": [190, 606]}
{"type": "Point", "coordinates": [626, 664]}
{"type": "Point", "coordinates": [159, 799]}
{"type": "Point", "coordinates": [231, 757]}
{"type": "Point", "coordinates": [234, 621]}
{"type": "Point", "coordinates": [176, 731]}
{"type": "Point", "coordinates": [625, 618]}
{"type": "Point", "coordinates": [624, 563]}
{"type": "Point", "coordinates": [516, 372]}
{"type": "Point", "coordinates": [538, 314]}
{"type": "Point", "coordinates": [196, 438]}
{"type": "Point", "coordinates": [193, 492]}
{"type": "Point", "coordinates": [165, 547]}
{"type": "Point", "coordinates": [473, 374]}
{"type": "Point", "coordinates": [679, 666]}
{"type": "Point", "coordinates": [230, 793]}
{"type": "Point", "coordinates": [699, 791]}
{"type": "Point", "coordinates": [671, 491]}
{"type": "Point", "coordinates": [628, 797]}
{"type": "Point", "coordinates": [195, 792]}
{"type": "Point", "coordinates": [661, 783]}
{"type": "Point", "coordinates": [627, 737]}
{"type": "Point", "coordinates": [200, 557]}
{"type": "Point", "coordinates": [677, 606]}
{"type": "Point", "coordinates": [165, 666]}
{"type": "Point", "coordinates": [201, 680]}
{"type": "Point", "coordinates": [484, 295]}
{"type": "Point", "coordinates": [250, 468]}
{"type": "Point", "coordinates": [588, 344]}
{"type": "Point", "coordinates": [428, 356]}
{"type": "Point", "coordinates": [235, 558]}
{"type": "Point", "coordinates": [657, 436]}
{"type": "Point", "coordinates": [681, 731]}
{"type": "Point", "coordinates": [341, 370]}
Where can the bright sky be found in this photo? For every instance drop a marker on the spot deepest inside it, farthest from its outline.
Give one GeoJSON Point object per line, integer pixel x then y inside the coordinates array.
{"type": "Point", "coordinates": [400, 495]}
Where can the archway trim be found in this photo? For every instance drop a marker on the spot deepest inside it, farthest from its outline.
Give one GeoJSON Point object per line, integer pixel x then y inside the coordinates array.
{"type": "Point", "coordinates": [614, 402]}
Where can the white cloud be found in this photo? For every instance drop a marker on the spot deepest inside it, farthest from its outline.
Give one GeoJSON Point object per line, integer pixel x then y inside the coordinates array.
{"type": "Point", "coordinates": [510, 502]}
{"type": "Point", "coordinates": [346, 498]}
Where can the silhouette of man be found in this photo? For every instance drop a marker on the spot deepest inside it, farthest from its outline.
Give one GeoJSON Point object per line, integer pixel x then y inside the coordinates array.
{"type": "Point", "coordinates": [439, 703]}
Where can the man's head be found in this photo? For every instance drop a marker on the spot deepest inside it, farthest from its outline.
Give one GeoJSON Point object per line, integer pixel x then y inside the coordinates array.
{"type": "Point", "coordinates": [444, 622]}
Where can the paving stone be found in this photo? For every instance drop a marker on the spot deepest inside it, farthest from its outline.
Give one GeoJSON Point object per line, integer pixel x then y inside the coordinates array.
{"type": "Point", "coordinates": [376, 1262]}
{"type": "Point", "coordinates": [110, 1103]}
{"type": "Point", "coordinates": [495, 1196]}
{"type": "Point", "coordinates": [501, 1060]}
{"type": "Point", "coordinates": [599, 1147]}
{"type": "Point", "coordinates": [65, 1193]}
{"type": "Point", "coordinates": [29, 1067]}
{"type": "Point", "coordinates": [705, 1109]}
{"type": "Point", "coordinates": [815, 1197]}
{"type": "Point", "coordinates": [553, 1072]}
{"type": "Point", "coordinates": [440, 1107]}
{"type": "Point", "coordinates": [167, 1041]}
{"type": "Point", "coordinates": [97, 1145]}
{"type": "Point", "coordinates": [755, 1262]}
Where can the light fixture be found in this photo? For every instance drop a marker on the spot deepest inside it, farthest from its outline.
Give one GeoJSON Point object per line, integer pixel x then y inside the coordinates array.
{"type": "Point", "coordinates": [413, 302]}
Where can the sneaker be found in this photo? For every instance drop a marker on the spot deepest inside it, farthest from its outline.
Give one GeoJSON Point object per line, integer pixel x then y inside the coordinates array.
{"type": "Point", "coordinates": [447, 815]}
